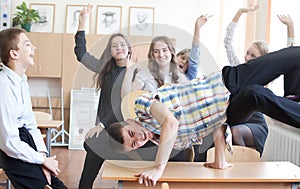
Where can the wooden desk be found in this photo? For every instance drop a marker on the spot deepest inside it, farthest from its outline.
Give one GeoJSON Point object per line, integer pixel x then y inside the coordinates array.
{"type": "Point", "coordinates": [190, 175]}
{"type": "Point", "coordinates": [48, 125]}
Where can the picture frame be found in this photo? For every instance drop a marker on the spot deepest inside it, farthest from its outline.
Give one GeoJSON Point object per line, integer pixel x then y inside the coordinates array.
{"type": "Point", "coordinates": [141, 21]}
{"type": "Point", "coordinates": [72, 19]}
{"type": "Point", "coordinates": [47, 17]}
{"type": "Point", "coordinates": [109, 19]}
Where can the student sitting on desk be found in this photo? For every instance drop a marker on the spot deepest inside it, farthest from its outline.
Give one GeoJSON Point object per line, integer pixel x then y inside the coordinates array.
{"type": "Point", "coordinates": [254, 133]}
{"type": "Point", "coordinates": [23, 151]}
{"type": "Point", "coordinates": [180, 115]}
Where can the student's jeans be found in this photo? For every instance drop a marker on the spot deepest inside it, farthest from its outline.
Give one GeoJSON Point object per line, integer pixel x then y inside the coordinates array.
{"type": "Point", "coordinates": [246, 83]}
{"type": "Point", "coordinates": [25, 175]}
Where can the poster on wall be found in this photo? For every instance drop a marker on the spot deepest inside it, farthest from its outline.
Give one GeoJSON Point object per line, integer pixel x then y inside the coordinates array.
{"type": "Point", "coordinates": [5, 18]}
{"type": "Point", "coordinates": [46, 20]}
{"type": "Point", "coordinates": [83, 111]}
{"type": "Point", "coordinates": [72, 19]}
{"type": "Point", "coordinates": [141, 21]}
{"type": "Point", "coordinates": [108, 19]}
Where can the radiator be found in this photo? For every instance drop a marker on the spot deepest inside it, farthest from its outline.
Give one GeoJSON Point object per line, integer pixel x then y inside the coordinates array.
{"type": "Point", "coordinates": [283, 143]}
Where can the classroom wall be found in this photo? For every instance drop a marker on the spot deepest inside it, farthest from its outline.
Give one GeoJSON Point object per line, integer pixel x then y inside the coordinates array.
{"type": "Point", "coordinates": [172, 18]}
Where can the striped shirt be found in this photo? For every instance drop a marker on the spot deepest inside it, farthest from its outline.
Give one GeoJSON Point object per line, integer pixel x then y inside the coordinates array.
{"type": "Point", "coordinates": [228, 44]}
{"type": "Point", "coordinates": [199, 106]}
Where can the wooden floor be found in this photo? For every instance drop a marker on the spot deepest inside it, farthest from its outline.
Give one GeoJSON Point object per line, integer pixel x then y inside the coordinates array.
{"type": "Point", "coordinates": [71, 164]}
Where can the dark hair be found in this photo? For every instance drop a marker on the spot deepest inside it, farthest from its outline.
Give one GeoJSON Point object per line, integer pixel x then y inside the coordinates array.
{"type": "Point", "coordinates": [115, 137]}
{"type": "Point", "coordinates": [9, 40]}
{"type": "Point", "coordinates": [108, 60]}
{"type": "Point", "coordinates": [153, 66]}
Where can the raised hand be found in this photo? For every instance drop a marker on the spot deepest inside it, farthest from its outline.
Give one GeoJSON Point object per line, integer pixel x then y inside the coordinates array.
{"type": "Point", "coordinates": [132, 60]}
{"type": "Point", "coordinates": [83, 17]}
{"type": "Point", "coordinates": [285, 19]}
{"type": "Point", "coordinates": [250, 8]}
{"type": "Point", "coordinates": [238, 14]}
{"type": "Point", "coordinates": [202, 20]}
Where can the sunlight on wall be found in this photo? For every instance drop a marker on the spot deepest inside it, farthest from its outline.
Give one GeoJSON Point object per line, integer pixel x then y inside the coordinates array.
{"type": "Point", "coordinates": [278, 32]}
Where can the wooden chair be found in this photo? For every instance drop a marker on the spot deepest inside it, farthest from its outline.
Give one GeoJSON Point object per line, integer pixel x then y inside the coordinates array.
{"type": "Point", "coordinates": [164, 185]}
{"type": "Point", "coordinates": [42, 115]}
{"type": "Point", "coordinates": [127, 104]}
{"type": "Point", "coordinates": [240, 154]}
{"type": "Point", "coordinates": [127, 109]}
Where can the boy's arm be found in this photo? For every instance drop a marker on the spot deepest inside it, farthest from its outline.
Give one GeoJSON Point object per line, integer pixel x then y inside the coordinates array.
{"type": "Point", "coordinates": [166, 142]}
{"type": "Point", "coordinates": [220, 147]}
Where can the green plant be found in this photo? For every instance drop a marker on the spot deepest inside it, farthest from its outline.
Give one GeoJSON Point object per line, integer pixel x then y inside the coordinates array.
{"type": "Point", "coordinates": [25, 16]}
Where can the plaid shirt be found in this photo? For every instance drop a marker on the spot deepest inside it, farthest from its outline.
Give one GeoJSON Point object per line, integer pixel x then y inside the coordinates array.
{"type": "Point", "coordinates": [199, 105]}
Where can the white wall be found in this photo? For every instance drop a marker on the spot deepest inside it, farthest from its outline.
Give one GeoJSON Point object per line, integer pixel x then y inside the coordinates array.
{"type": "Point", "coordinates": [172, 18]}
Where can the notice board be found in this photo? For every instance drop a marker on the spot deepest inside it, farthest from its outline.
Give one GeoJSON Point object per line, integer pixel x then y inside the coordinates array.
{"type": "Point", "coordinates": [83, 111]}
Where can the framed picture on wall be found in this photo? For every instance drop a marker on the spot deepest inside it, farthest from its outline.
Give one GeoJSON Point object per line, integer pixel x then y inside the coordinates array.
{"type": "Point", "coordinates": [47, 16]}
{"type": "Point", "coordinates": [141, 21]}
{"type": "Point", "coordinates": [72, 19]}
{"type": "Point", "coordinates": [108, 19]}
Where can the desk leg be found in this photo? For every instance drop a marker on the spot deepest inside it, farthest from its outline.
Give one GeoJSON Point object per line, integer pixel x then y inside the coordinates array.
{"type": "Point", "coordinates": [296, 185]}
{"type": "Point", "coordinates": [48, 141]}
{"type": "Point", "coordinates": [120, 184]}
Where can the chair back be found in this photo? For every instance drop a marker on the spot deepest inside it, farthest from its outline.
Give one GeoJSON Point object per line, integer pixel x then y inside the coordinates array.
{"type": "Point", "coordinates": [42, 115]}
{"type": "Point", "coordinates": [127, 104]}
{"type": "Point", "coordinates": [240, 154]}
{"type": "Point", "coordinates": [164, 185]}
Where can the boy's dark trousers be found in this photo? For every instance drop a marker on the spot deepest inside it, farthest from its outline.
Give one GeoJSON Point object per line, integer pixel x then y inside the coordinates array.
{"type": "Point", "coordinates": [25, 175]}
{"type": "Point", "coordinates": [246, 83]}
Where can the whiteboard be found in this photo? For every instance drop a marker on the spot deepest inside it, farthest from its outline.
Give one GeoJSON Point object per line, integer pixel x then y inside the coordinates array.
{"type": "Point", "coordinates": [83, 111]}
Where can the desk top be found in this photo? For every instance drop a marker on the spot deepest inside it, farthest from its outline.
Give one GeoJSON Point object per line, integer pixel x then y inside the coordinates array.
{"type": "Point", "coordinates": [49, 123]}
{"type": "Point", "coordinates": [196, 172]}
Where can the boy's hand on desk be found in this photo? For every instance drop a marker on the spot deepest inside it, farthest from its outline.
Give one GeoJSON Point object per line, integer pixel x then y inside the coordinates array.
{"type": "Point", "coordinates": [149, 178]}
